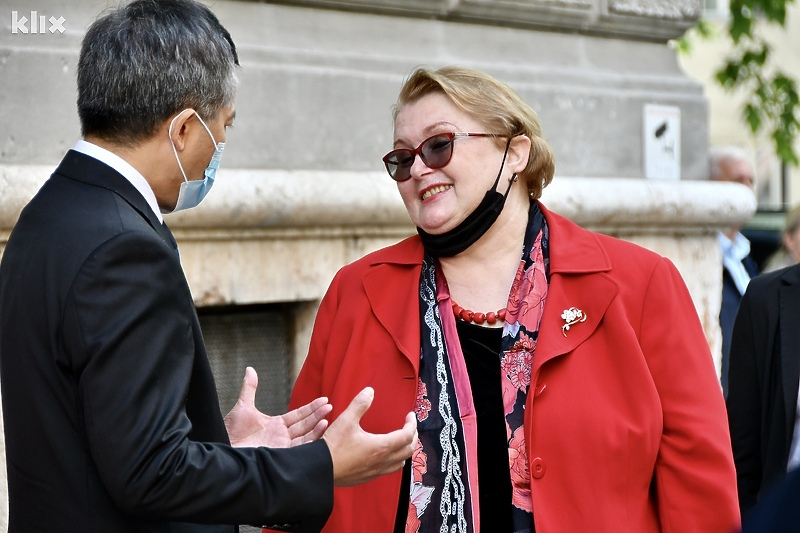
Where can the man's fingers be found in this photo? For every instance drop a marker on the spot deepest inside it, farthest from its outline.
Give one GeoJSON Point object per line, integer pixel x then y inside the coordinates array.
{"type": "Point", "coordinates": [247, 396]}
{"type": "Point", "coordinates": [406, 435]}
{"type": "Point", "coordinates": [359, 456]}
{"type": "Point", "coordinates": [312, 435]}
{"type": "Point", "coordinates": [317, 432]}
{"type": "Point", "coordinates": [397, 445]}
{"type": "Point", "coordinates": [360, 404]}
{"type": "Point", "coordinates": [402, 442]}
{"type": "Point", "coordinates": [411, 422]}
{"type": "Point", "coordinates": [307, 418]}
{"type": "Point", "coordinates": [298, 415]}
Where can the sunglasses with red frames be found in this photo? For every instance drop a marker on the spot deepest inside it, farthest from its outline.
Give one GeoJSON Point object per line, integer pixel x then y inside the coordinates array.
{"type": "Point", "coordinates": [435, 152]}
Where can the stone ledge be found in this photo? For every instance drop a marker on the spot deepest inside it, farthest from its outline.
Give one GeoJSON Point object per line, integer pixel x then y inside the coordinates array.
{"type": "Point", "coordinates": [289, 204]}
{"type": "Point", "coordinates": [650, 20]}
{"type": "Point", "coordinates": [620, 206]}
{"type": "Point", "coordinates": [266, 236]}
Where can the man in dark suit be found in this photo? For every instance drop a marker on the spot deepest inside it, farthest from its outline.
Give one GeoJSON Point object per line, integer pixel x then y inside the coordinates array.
{"type": "Point", "coordinates": [112, 421]}
{"type": "Point", "coordinates": [778, 511]}
{"type": "Point", "coordinates": [764, 375]}
{"type": "Point", "coordinates": [729, 163]}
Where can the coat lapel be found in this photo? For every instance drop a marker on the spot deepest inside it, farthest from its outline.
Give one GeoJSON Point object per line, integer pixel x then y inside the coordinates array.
{"type": "Point", "coordinates": [392, 288]}
{"type": "Point", "coordinates": [592, 294]}
{"type": "Point", "coordinates": [578, 266]}
{"type": "Point", "coordinates": [789, 302]}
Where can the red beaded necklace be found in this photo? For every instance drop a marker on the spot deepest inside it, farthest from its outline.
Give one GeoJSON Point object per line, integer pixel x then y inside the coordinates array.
{"type": "Point", "coordinates": [479, 318]}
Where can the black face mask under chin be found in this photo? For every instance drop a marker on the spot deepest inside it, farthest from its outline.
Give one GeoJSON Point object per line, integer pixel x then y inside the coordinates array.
{"type": "Point", "coordinates": [473, 227]}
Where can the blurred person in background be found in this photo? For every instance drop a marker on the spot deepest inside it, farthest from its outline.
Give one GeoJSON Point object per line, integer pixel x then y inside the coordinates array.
{"type": "Point", "coordinates": [561, 378]}
{"type": "Point", "coordinates": [778, 511]}
{"type": "Point", "coordinates": [789, 252]}
{"type": "Point", "coordinates": [730, 163]}
{"type": "Point", "coordinates": [763, 402]}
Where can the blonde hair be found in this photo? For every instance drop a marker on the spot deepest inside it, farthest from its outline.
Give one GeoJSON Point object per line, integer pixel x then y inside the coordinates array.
{"type": "Point", "coordinates": [495, 105]}
{"type": "Point", "coordinates": [792, 221]}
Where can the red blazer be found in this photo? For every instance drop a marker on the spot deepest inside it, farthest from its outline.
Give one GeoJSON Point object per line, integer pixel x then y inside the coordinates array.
{"type": "Point", "coordinates": [625, 422]}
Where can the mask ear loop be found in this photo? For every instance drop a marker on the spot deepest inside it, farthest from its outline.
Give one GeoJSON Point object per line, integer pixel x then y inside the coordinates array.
{"type": "Point", "coordinates": [175, 150]}
{"type": "Point", "coordinates": [203, 122]}
{"type": "Point", "coordinates": [500, 173]}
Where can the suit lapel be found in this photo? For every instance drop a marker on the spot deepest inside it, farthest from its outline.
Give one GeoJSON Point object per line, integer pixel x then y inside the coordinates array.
{"type": "Point", "coordinates": [789, 302]}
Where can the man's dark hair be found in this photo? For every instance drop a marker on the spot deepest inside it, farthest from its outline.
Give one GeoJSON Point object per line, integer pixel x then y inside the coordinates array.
{"type": "Point", "coordinates": [144, 61]}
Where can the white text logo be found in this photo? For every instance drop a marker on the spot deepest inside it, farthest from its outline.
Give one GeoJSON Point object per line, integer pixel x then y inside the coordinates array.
{"type": "Point", "coordinates": [38, 23]}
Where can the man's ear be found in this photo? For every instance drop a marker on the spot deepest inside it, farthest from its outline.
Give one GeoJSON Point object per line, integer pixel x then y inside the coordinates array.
{"type": "Point", "coordinates": [519, 152]}
{"type": "Point", "coordinates": [178, 129]}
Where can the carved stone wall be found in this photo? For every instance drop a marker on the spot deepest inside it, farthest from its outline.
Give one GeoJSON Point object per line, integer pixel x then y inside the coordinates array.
{"type": "Point", "coordinates": [651, 20]}
{"type": "Point", "coordinates": [317, 84]}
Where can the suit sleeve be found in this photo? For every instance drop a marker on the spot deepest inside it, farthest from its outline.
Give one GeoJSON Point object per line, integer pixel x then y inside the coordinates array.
{"type": "Point", "coordinates": [129, 330]}
{"type": "Point", "coordinates": [744, 399]}
{"type": "Point", "coordinates": [694, 472]}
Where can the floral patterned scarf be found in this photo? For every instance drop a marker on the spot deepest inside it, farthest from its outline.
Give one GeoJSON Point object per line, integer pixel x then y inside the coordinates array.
{"type": "Point", "coordinates": [444, 482]}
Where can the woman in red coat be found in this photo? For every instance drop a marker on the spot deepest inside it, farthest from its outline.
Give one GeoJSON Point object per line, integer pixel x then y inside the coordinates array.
{"type": "Point", "coordinates": [560, 378]}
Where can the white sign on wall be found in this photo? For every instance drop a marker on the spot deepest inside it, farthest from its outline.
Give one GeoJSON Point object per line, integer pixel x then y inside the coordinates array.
{"type": "Point", "coordinates": [662, 142]}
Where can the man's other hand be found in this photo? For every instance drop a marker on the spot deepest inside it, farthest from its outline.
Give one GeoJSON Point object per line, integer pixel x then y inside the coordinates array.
{"type": "Point", "coordinates": [359, 456]}
{"type": "Point", "coordinates": [249, 427]}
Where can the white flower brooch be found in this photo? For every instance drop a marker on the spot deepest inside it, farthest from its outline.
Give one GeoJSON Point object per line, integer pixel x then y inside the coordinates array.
{"type": "Point", "coordinates": [572, 316]}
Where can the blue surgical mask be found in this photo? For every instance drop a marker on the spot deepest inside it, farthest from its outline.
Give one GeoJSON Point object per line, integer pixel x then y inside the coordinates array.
{"type": "Point", "coordinates": [192, 192]}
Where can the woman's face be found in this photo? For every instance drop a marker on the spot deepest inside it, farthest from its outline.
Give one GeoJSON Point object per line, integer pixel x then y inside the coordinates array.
{"type": "Point", "coordinates": [437, 200]}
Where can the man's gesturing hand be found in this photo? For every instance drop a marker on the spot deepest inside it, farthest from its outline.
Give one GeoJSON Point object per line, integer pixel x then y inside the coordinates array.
{"type": "Point", "coordinates": [249, 427]}
{"type": "Point", "coordinates": [359, 456]}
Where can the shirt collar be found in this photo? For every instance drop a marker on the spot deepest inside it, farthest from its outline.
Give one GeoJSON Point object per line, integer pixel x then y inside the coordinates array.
{"type": "Point", "coordinates": [737, 248]}
{"type": "Point", "coordinates": [123, 167]}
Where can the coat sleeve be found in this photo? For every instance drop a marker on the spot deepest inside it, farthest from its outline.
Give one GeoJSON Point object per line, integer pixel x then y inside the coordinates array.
{"type": "Point", "coordinates": [694, 472]}
{"type": "Point", "coordinates": [744, 399]}
{"type": "Point", "coordinates": [129, 322]}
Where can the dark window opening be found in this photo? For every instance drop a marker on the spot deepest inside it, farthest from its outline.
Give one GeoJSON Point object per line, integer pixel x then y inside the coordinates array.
{"type": "Point", "coordinates": [253, 335]}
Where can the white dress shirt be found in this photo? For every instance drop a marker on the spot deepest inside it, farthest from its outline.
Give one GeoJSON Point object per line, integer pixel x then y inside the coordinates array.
{"type": "Point", "coordinates": [794, 451]}
{"type": "Point", "coordinates": [733, 251]}
{"type": "Point", "coordinates": [123, 167]}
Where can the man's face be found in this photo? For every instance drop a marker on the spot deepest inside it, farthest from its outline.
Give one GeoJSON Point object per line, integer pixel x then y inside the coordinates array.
{"type": "Point", "coordinates": [738, 171]}
{"type": "Point", "coordinates": [203, 145]}
{"type": "Point", "coordinates": [191, 143]}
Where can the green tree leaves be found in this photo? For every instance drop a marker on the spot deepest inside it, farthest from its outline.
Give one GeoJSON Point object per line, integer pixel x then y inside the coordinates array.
{"type": "Point", "coordinates": [771, 97]}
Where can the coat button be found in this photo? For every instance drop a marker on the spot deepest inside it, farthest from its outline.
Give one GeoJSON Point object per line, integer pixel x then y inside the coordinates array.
{"type": "Point", "coordinates": [538, 468]}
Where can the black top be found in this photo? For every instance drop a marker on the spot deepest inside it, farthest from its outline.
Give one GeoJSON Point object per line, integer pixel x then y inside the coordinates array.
{"type": "Point", "coordinates": [481, 348]}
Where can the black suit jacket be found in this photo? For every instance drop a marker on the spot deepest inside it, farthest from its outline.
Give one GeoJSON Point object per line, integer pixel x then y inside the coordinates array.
{"type": "Point", "coordinates": [112, 421]}
{"type": "Point", "coordinates": [763, 380]}
{"type": "Point", "coordinates": [778, 511]}
{"type": "Point", "coordinates": [727, 314]}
